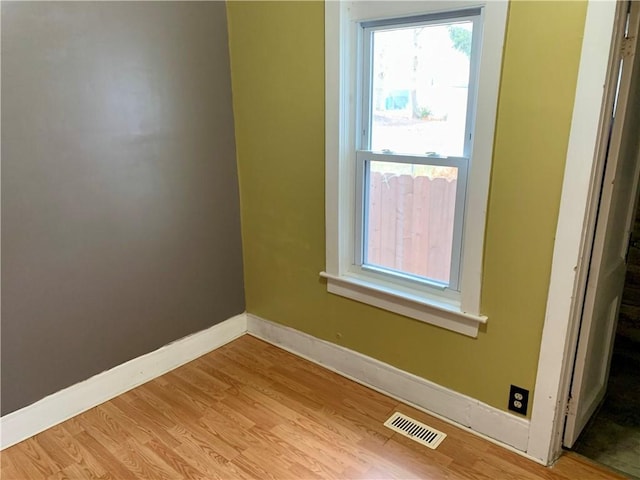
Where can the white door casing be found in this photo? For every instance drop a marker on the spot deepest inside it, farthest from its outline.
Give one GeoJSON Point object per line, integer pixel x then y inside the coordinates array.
{"type": "Point", "coordinates": [610, 244]}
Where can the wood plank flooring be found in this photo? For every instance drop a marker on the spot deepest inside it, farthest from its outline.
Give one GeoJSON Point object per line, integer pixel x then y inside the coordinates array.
{"type": "Point", "coordinates": [250, 410]}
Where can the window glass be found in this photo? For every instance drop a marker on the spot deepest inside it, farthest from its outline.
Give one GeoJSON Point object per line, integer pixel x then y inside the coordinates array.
{"type": "Point", "coordinates": [410, 211]}
{"type": "Point", "coordinates": [419, 88]}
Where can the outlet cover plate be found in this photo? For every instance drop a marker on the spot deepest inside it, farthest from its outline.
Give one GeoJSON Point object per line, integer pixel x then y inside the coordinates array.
{"type": "Point", "coordinates": [518, 400]}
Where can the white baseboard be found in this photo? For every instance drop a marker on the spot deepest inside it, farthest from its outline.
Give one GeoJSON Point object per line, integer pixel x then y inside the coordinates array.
{"type": "Point", "coordinates": [451, 406]}
{"type": "Point", "coordinates": [461, 410]}
{"type": "Point", "coordinates": [71, 401]}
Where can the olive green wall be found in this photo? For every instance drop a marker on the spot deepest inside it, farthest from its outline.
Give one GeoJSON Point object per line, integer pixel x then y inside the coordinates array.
{"type": "Point", "coordinates": [277, 65]}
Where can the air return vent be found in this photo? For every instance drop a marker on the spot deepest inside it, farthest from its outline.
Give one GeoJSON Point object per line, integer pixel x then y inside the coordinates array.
{"type": "Point", "coordinates": [415, 430]}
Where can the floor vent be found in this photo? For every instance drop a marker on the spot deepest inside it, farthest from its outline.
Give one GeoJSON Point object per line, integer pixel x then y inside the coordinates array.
{"type": "Point", "coordinates": [415, 430]}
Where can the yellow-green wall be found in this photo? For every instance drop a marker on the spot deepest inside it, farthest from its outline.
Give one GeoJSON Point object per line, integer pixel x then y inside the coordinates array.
{"type": "Point", "coordinates": [277, 63]}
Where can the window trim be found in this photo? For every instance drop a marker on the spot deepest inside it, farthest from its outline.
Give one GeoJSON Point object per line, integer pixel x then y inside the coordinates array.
{"type": "Point", "coordinates": [460, 313]}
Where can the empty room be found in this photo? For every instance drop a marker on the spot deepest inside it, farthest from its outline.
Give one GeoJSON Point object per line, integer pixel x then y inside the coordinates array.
{"type": "Point", "coordinates": [306, 239]}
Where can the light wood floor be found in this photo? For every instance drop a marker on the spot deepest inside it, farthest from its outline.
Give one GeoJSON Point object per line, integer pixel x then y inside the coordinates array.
{"type": "Point", "coordinates": [250, 410]}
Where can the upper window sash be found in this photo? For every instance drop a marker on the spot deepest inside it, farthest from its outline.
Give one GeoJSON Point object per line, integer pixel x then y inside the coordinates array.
{"type": "Point", "coordinates": [365, 76]}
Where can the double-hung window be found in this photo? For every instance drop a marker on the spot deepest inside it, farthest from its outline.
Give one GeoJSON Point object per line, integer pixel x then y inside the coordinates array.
{"type": "Point", "coordinates": [411, 101]}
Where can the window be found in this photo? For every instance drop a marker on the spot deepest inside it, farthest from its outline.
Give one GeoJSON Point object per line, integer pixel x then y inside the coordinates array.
{"type": "Point", "coordinates": [411, 100]}
{"type": "Point", "coordinates": [417, 94]}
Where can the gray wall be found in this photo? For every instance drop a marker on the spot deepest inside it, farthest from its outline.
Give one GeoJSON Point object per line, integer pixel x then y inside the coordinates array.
{"type": "Point", "coordinates": [120, 211]}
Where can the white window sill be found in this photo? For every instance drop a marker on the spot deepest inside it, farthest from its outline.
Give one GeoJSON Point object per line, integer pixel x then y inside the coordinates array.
{"type": "Point", "coordinates": [442, 314]}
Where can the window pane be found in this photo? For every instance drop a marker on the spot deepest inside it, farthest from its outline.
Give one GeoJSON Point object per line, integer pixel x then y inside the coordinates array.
{"type": "Point", "coordinates": [420, 84]}
{"type": "Point", "coordinates": [409, 218]}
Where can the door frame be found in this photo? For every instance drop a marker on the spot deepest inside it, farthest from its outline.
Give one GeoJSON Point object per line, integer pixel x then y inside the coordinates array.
{"type": "Point", "coordinates": [614, 226]}
{"type": "Point", "coordinates": [576, 227]}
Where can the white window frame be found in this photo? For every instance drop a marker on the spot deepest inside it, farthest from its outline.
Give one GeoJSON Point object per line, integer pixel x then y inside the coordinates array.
{"type": "Point", "coordinates": [455, 310]}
